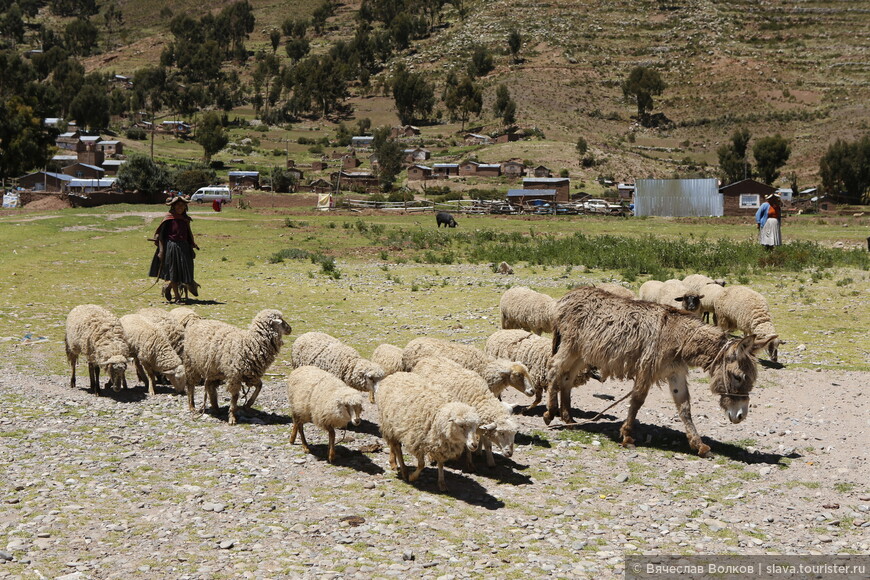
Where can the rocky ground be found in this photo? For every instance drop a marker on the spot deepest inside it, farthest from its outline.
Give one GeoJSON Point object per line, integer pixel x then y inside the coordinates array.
{"type": "Point", "coordinates": [131, 486]}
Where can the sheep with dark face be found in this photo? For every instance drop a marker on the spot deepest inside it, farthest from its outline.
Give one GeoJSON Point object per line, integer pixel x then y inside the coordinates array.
{"type": "Point", "coordinates": [445, 219]}
{"type": "Point", "coordinates": [650, 343]}
{"type": "Point", "coordinates": [97, 334]}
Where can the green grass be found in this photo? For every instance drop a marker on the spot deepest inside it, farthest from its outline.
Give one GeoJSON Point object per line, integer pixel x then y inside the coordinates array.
{"type": "Point", "coordinates": [371, 281]}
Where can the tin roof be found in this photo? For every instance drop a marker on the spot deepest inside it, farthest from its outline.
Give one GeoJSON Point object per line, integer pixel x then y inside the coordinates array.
{"type": "Point", "coordinates": [531, 192]}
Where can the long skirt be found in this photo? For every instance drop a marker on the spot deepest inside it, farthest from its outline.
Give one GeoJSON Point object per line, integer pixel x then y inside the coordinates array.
{"type": "Point", "coordinates": [177, 264]}
{"type": "Point", "coordinates": [770, 234]}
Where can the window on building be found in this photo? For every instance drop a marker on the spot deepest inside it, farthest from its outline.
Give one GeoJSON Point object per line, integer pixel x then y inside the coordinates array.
{"type": "Point", "coordinates": [749, 200]}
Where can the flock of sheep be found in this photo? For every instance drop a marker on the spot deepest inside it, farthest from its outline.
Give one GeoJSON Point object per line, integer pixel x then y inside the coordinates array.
{"type": "Point", "coordinates": [441, 399]}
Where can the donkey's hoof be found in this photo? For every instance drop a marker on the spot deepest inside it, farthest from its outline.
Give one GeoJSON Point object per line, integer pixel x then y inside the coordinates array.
{"type": "Point", "coordinates": [703, 450]}
{"type": "Point", "coordinates": [548, 417]}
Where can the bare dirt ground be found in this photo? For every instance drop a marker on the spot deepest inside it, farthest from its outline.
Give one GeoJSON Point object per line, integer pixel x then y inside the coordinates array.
{"type": "Point", "coordinates": [131, 486]}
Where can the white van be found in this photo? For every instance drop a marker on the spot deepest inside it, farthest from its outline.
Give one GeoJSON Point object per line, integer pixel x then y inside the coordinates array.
{"type": "Point", "coordinates": [211, 193]}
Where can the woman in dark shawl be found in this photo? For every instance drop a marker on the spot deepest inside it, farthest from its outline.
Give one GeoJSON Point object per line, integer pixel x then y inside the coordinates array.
{"type": "Point", "coordinates": [173, 260]}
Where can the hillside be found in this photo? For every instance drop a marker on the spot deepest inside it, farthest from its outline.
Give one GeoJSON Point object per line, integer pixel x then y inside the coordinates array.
{"type": "Point", "coordinates": [795, 68]}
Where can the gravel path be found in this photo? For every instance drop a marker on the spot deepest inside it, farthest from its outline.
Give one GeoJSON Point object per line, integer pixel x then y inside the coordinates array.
{"type": "Point", "coordinates": [127, 486]}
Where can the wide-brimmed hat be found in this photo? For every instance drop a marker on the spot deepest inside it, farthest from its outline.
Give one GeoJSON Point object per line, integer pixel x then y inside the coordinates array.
{"type": "Point", "coordinates": [773, 196]}
{"type": "Point", "coordinates": [172, 200]}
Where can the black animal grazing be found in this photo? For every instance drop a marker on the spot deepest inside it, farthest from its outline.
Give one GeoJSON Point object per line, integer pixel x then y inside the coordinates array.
{"type": "Point", "coordinates": [442, 217]}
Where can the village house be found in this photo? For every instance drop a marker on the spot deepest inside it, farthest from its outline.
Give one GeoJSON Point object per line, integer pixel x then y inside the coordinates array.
{"type": "Point", "coordinates": [350, 162]}
{"type": "Point", "coordinates": [488, 169]}
{"type": "Point", "coordinates": [67, 141]}
{"type": "Point", "coordinates": [744, 197]}
{"type": "Point", "coordinates": [416, 155]}
{"type": "Point", "coordinates": [84, 171]}
{"type": "Point", "coordinates": [513, 169]}
{"type": "Point", "coordinates": [319, 165]}
{"type": "Point", "coordinates": [244, 179]}
{"type": "Point", "coordinates": [296, 174]}
{"type": "Point", "coordinates": [468, 168]}
{"type": "Point", "coordinates": [524, 196]}
{"type": "Point", "coordinates": [111, 166]}
{"type": "Point", "coordinates": [110, 148]}
{"type": "Point", "coordinates": [418, 172]}
{"type": "Point", "coordinates": [445, 170]}
{"type": "Point", "coordinates": [542, 171]}
{"type": "Point", "coordinates": [45, 181]}
{"type": "Point", "coordinates": [175, 127]}
{"type": "Point", "coordinates": [404, 132]}
{"type": "Point", "coordinates": [355, 180]}
{"type": "Point", "coordinates": [508, 137]}
{"type": "Point", "coordinates": [362, 141]}
{"type": "Point", "coordinates": [561, 185]}
{"type": "Point", "coordinates": [477, 139]}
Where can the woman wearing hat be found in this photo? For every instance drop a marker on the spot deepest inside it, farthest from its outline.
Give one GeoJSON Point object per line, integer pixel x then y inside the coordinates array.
{"type": "Point", "coordinates": [768, 219]}
{"type": "Point", "coordinates": [173, 260]}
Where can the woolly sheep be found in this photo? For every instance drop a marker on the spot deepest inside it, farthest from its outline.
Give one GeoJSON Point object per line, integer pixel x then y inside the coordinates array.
{"type": "Point", "coordinates": [744, 309]}
{"type": "Point", "coordinates": [695, 282]}
{"type": "Point", "coordinates": [215, 351]}
{"type": "Point", "coordinates": [152, 352]}
{"type": "Point", "coordinates": [709, 294]}
{"type": "Point", "coordinates": [650, 290]}
{"type": "Point", "coordinates": [523, 308]}
{"type": "Point", "coordinates": [533, 351]}
{"type": "Point", "coordinates": [422, 418]}
{"type": "Point", "coordinates": [97, 334]}
{"type": "Point", "coordinates": [184, 315]}
{"type": "Point", "coordinates": [389, 357]}
{"type": "Point", "coordinates": [496, 424]}
{"type": "Point", "coordinates": [674, 293]}
{"type": "Point", "coordinates": [171, 327]}
{"type": "Point", "coordinates": [499, 374]}
{"type": "Point", "coordinates": [319, 397]}
{"type": "Point", "coordinates": [617, 289]}
{"type": "Point", "coordinates": [330, 354]}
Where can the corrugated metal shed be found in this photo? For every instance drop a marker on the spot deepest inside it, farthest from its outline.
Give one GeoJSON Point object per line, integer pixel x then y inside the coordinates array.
{"type": "Point", "coordinates": [677, 198]}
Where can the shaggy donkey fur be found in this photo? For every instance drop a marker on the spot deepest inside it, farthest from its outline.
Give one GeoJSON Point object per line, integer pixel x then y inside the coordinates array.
{"type": "Point", "coordinates": [649, 343]}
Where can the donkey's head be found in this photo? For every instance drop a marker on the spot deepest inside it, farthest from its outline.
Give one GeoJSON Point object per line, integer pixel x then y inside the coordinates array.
{"type": "Point", "coordinates": [733, 375]}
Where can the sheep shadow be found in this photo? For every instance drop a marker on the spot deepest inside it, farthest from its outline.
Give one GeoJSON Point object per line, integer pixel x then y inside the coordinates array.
{"type": "Point", "coordinates": [533, 439]}
{"type": "Point", "coordinates": [345, 457]}
{"type": "Point", "coordinates": [506, 470]}
{"type": "Point", "coordinates": [459, 486]}
{"type": "Point", "coordinates": [667, 439]}
{"type": "Point", "coordinates": [128, 395]}
{"type": "Point", "coordinates": [769, 364]}
{"type": "Point", "coordinates": [250, 416]}
{"type": "Point", "coordinates": [366, 427]}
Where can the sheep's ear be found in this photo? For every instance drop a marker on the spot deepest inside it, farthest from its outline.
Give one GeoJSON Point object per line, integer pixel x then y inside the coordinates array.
{"type": "Point", "coordinates": [700, 297]}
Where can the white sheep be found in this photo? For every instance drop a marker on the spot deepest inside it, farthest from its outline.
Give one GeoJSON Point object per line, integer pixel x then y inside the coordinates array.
{"type": "Point", "coordinates": [650, 290]}
{"type": "Point", "coordinates": [389, 357]}
{"type": "Point", "coordinates": [152, 352]}
{"type": "Point", "coordinates": [499, 374]}
{"type": "Point", "coordinates": [215, 351]}
{"type": "Point", "coordinates": [319, 397]}
{"type": "Point", "coordinates": [172, 327]}
{"type": "Point", "coordinates": [496, 424]}
{"type": "Point", "coordinates": [697, 281]}
{"type": "Point", "coordinates": [95, 333]}
{"type": "Point", "coordinates": [533, 351]}
{"type": "Point", "coordinates": [422, 418]}
{"type": "Point", "coordinates": [744, 309]}
{"type": "Point", "coordinates": [617, 289]}
{"type": "Point", "coordinates": [330, 354]}
{"type": "Point", "coordinates": [674, 293]}
{"type": "Point", "coordinates": [184, 315]}
{"type": "Point", "coordinates": [526, 309]}
{"type": "Point", "coordinates": [709, 294]}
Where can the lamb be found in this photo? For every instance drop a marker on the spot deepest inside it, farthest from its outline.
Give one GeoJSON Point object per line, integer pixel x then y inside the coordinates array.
{"type": "Point", "coordinates": [215, 351]}
{"type": "Point", "coordinates": [330, 354]}
{"type": "Point", "coordinates": [319, 397]}
{"type": "Point", "coordinates": [96, 333]}
{"type": "Point", "coordinates": [533, 351]}
{"type": "Point", "coordinates": [709, 294]}
{"type": "Point", "coordinates": [499, 374]}
{"type": "Point", "coordinates": [649, 343]}
{"type": "Point", "coordinates": [523, 308]}
{"type": "Point", "coordinates": [496, 424]}
{"type": "Point", "coordinates": [422, 418]}
{"type": "Point", "coordinates": [389, 357]}
{"type": "Point", "coordinates": [152, 352]}
{"type": "Point", "coordinates": [744, 309]}
{"type": "Point", "coordinates": [617, 289]}
{"type": "Point", "coordinates": [674, 293]}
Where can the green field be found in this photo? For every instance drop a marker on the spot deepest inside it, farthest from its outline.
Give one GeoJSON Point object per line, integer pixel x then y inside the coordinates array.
{"type": "Point", "coordinates": [389, 278]}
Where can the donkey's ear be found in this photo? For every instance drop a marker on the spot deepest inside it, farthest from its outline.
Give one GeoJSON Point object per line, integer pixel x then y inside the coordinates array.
{"type": "Point", "coordinates": [762, 342]}
{"type": "Point", "coordinates": [748, 344]}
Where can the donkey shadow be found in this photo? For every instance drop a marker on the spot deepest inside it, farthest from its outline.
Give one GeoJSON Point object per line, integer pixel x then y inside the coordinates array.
{"type": "Point", "coordinates": [668, 439]}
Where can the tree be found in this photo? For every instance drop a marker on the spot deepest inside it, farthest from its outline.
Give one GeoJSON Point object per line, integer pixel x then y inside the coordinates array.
{"type": "Point", "coordinates": [321, 14]}
{"type": "Point", "coordinates": [90, 107]}
{"type": "Point", "coordinates": [642, 85]}
{"type": "Point", "coordinates": [770, 154]}
{"type": "Point", "coordinates": [582, 147]}
{"type": "Point", "coordinates": [732, 157]}
{"type": "Point", "coordinates": [413, 95]}
{"type": "Point", "coordinates": [515, 43]}
{"type": "Point", "coordinates": [189, 179]}
{"type": "Point", "coordinates": [390, 154]}
{"type": "Point", "coordinates": [275, 39]}
{"type": "Point", "coordinates": [845, 170]}
{"type": "Point", "coordinates": [504, 107]}
{"type": "Point", "coordinates": [80, 37]}
{"type": "Point", "coordinates": [210, 135]}
{"type": "Point", "coordinates": [12, 23]}
{"type": "Point", "coordinates": [24, 142]}
{"type": "Point", "coordinates": [481, 61]}
{"type": "Point", "coordinates": [141, 174]}
{"type": "Point", "coordinates": [463, 99]}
